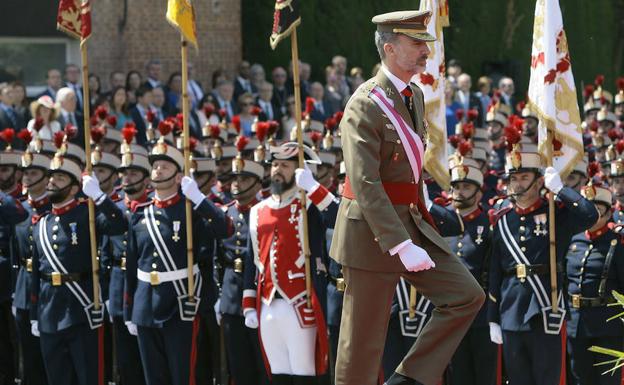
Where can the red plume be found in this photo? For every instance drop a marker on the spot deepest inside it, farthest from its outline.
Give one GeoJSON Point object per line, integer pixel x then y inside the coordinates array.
{"type": "Point", "coordinates": [94, 120]}
{"type": "Point", "coordinates": [215, 131]}
{"type": "Point", "coordinates": [241, 142]}
{"type": "Point", "coordinates": [38, 124]}
{"type": "Point", "coordinates": [255, 110]}
{"type": "Point", "coordinates": [309, 105]}
{"type": "Point", "coordinates": [222, 113]}
{"type": "Point", "coordinates": [594, 126]}
{"type": "Point", "coordinates": [128, 132]}
{"type": "Point", "coordinates": [59, 138]}
{"type": "Point", "coordinates": [593, 169]}
{"type": "Point", "coordinates": [193, 143]}
{"type": "Point", "coordinates": [25, 136]}
{"type": "Point", "coordinates": [262, 129]}
{"type": "Point", "coordinates": [338, 116]}
{"type": "Point", "coordinates": [464, 147]}
{"type": "Point", "coordinates": [98, 133]}
{"type": "Point", "coordinates": [101, 112]}
{"type": "Point", "coordinates": [179, 121]}
{"type": "Point", "coordinates": [71, 131]}
{"type": "Point", "coordinates": [620, 84]}
{"type": "Point", "coordinates": [315, 137]}
{"type": "Point", "coordinates": [441, 201]}
{"type": "Point", "coordinates": [588, 91]}
{"type": "Point", "coordinates": [209, 109]}
{"type": "Point", "coordinates": [237, 123]}
{"type": "Point", "coordinates": [273, 126]}
{"type": "Point", "coordinates": [111, 120]}
{"type": "Point", "coordinates": [619, 146]}
{"type": "Point", "coordinates": [472, 114]}
{"type": "Point", "coordinates": [468, 130]}
{"type": "Point", "coordinates": [459, 114]}
{"type": "Point", "coordinates": [150, 116]}
{"type": "Point", "coordinates": [165, 127]}
{"type": "Point", "coordinates": [454, 140]}
{"type": "Point", "coordinates": [613, 134]}
{"type": "Point", "coordinates": [557, 145]}
{"type": "Point", "coordinates": [599, 80]}
{"type": "Point", "coordinates": [330, 123]}
{"type": "Point", "coordinates": [512, 136]}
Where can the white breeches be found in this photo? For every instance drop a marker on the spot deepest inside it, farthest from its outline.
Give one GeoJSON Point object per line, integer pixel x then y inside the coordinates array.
{"type": "Point", "coordinates": [288, 347]}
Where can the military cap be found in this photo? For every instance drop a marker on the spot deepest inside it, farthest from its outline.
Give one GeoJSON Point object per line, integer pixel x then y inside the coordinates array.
{"type": "Point", "coordinates": [327, 158]}
{"type": "Point", "coordinates": [64, 164]}
{"type": "Point", "coordinates": [201, 165]}
{"type": "Point", "coordinates": [464, 173]}
{"type": "Point", "coordinates": [412, 24]}
{"type": "Point", "coordinates": [35, 160]}
{"type": "Point", "coordinates": [164, 151]}
{"type": "Point", "coordinates": [134, 156]}
{"type": "Point", "coordinates": [290, 151]}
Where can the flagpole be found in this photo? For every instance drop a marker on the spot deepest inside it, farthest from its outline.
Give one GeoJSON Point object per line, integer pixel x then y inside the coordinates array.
{"type": "Point", "coordinates": [187, 168]}
{"type": "Point", "coordinates": [551, 229]}
{"type": "Point", "coordinates": [89, 171]}
{"type": "Point", "coordinates": [304, 211]}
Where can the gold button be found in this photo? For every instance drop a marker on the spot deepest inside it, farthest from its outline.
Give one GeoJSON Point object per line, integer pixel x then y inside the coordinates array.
{"type": "Point", "coordinates": [522, 228]}
{"type": "Point", "coordinates": [523, 248]}
{"type": "Point", "coordinates": [376, 239]}
{"type": "Point", "coordinates": [57, 219]}
{"type": "Point", "coordinates": [398, 141]}
{"type": "Point", "coordinates": [411, 205]}
{"type": "Point", "coordinates": [55, 246]}
{"type": "Point", "coordinates": [154, 265]}
{"type": "Point", "coordinates": [238, 234]}
{"type": "Point", "coordinates": [155, 254]}
{"type": "Point", "coordinates": [459, 253]}
{"type": "Point", "coordinates": [55, 228]}
{"type": "Point", "coordinates": [459, 244]}
{"type": "Point", "coordinates": [522, 238]}
{"type": "Point", "coordinates": [53, 237]}
{"type": "Point", "coordinates": [575, 204]}
{"type": "Point", "coordinates": [522, 218]}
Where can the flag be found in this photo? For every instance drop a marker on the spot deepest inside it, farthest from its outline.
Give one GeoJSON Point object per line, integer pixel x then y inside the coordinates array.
{"type": "Point", "coordinates": [74, 18]}
{"type": "Point", "coordinates": [431, 82]}
{"type": "Point", "coordinates": [552, 94]}
{"type": "Point", "coordinates": [181, 15]}
{"type": "Point", "coordinates": [285, 18]}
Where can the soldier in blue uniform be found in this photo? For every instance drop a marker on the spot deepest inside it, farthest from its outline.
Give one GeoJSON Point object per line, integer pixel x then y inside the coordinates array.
{"type": "Point", "coordinates": [241, 343]}
{"type": "Point", "coordinates": [157, 304]}
{"type": "Point", "coordinates": [616, 185]}
{"type": "Point", "coordinates": [63, 311]}
{"type": "Point", "coordinates": [474, 362]}
{"type": "Point", "coordinates": [35, 180]}
{"type": "Point", "coordinates": [11, 213]}
{"type": "Point", "coordinates": [520, 314]}
{"type": "Point", "coordinates": [595, 267]}
{"type": "Point", "coordinates": [134, 169]}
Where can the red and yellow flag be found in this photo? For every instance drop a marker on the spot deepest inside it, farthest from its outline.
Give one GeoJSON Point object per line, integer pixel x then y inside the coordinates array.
{"type": "Point", "coordinates": [285, 18]}
{"type": "Point", "coordinates": [181, 14]}
{"type": "Point", "coordinates": [74, 18]}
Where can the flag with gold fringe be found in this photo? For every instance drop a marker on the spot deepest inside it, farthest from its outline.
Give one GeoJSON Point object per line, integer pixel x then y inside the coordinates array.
{"type": "Point", "coordinates": [74, 18]}
{"type": "Point", "coordinates": [552, 93]}
{"type": "Point", "coordinates": [285, 18]}
{"type": "Point", "coordinates": [431, 82]}
{"type": "Point", "coordinates": [181, 15]}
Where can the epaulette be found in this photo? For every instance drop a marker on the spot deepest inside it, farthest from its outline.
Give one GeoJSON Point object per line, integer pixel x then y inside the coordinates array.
{"type": "Point", "coordinates": [495, 215]}
{"type": "Point", "coordinates": [135, 205]}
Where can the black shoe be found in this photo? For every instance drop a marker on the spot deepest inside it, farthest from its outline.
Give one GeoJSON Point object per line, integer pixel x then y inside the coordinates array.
{"type": "Point", "coordinates": [399, 379]}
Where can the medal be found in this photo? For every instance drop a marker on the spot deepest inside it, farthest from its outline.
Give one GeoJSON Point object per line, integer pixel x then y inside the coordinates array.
{"type": "Point", "coordinates": [479, 240]}
{"type": "Point", "coordinates": [74, 235]}
{"type": "Point", "coordinates": [539, 221]}
{"type": "Point", "coordinates": [176, 229]}
{"type": "Point", "coordinates": [293, 210]}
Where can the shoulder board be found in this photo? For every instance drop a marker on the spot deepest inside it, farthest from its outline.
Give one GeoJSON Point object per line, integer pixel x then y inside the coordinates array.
{"type": "Point", "coordinates": [495, 215]}
{"type": "Point", "coordinates": [135, 205]}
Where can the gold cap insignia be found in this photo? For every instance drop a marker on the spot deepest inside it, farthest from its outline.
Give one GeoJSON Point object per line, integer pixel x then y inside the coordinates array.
{"type": "Point", "coordinates": [57, 162]}
{"type": "Point", "coordinates": [27, 159]}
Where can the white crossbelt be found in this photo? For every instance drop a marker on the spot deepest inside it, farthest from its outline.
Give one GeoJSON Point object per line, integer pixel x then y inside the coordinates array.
{"type": "Point", "coordinates": [165, 276]}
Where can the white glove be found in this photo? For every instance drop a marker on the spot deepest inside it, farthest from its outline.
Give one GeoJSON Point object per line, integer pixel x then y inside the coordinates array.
{"type": "Point", "coordinates": [428, 202]}
{"type": "Point", "coordinates": [251, 319]}
{"type": "Point", "coordinates": [305, 179]}
{"type": "Point", "coordinates": [191, 191]}
{"type": "Point", "coordinates": [217, 305]}
{"type": "Point", "coordinates": [552, 180]}
{"type": "Point", "coordinates": [91, 187]}
{"type": "Point", "coordinates": [14, 311]}
{"type": "Point", "coordinates": [132, 328]}
{"type": "Point", "coordinates": [496, 335]}
{"type": "Point", "coordinates": [110, 315]}
{"type": "Point", "coordinates": [34, 328]}
{"type": "Point", "coordinates": [415, 258]}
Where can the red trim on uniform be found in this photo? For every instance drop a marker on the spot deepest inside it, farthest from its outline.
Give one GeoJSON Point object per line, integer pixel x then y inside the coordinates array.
{"type": "Point", "coordinates": [142, 199]}
{"type": "Point", "coordinates": [536, 205]}
{"type": "Point", "coordinates": [249, 302]}
{"type": "Point", "coordinates": [499, 365]}
{"type": "Point", "coordinates": [592, 235]}
{"type": "Point", "coordinates": [318, 195]}
{"type": "Point", "coordinates": [398, 193]}
{"type": "Point", "coordinates": [562, 377]}
{"type": "Point", "coordinates": [66, 208]}
{"type": "Point", "coordinates": [167, 202]}
{"type": "Point", "coordinates": [38, 203]}
{"type": "Point", "coordinates": [247, 207]}
{"type": "Point", "coordinates": [101, 355]}
{"type": "Point", "coordinates": [115, 197]}
{"type": "Point", "coordinates": [193, 360]}
{"type": "Point", "coordinates": [472, 215]}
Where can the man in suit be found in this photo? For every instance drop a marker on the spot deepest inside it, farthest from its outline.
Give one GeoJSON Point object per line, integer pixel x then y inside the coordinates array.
{"type": "Point", "coordinates": [153, 68]}
{"type": "Point", "coordinates": [139, 112]}
{"type": "Point", "coordinates": [280, 92]}
{"type": "Point", "coordinates": [507, 88]}
{"type": "Point", "coordinates": [66, 99]}
{"type": "Point", "coordinates": [72, 80]}
{"type": "Point", "coordinates": [322, 108]}
{"type": "Point", "coordinates": [242, 84]}
{"type": "Point", "coordinates": [8, 116]}
{"type": "Point", "coordinates": [384, 231]}
{"type": "Point", "coordinates": [270, 111]}
{"type": "Point", "coordinates": [224, 97]}
{"type": "Point", "coordinates": [195, 90]}
{"type": "Point", "coordinates": [468, 99]}
{"type": "Point", "coordinates": [53, 83]}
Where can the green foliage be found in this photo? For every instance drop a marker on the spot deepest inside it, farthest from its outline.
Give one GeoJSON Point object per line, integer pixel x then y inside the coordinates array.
{"type": "Point", "coordinates": [485, 35]}
{"type": "Point", "coordinates": [618, 360]}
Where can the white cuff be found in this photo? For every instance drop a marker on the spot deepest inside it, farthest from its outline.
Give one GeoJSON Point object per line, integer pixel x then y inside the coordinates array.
{"type": "Point", "coordinates": [395, 249]}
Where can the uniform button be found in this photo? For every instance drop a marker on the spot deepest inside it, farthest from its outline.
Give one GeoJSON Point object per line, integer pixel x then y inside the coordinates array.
{"type": "Point", "coordinates": [55, 246]}
{"type": "Point", "coordinates": [459, 244]}
{"type": "Point", "coordinates": [56, 219]}
{"type": "Point", "coordinates": [158, 223]}
{"type": "Point", "coordinates": [154, 265]}
{"type": "Point", "coordinates": [575, 204]}
{"type": "Point", "coordinates": [238, 234]}
{"type": "Point", "coordinates": [376, 239]}
{"type": "Point", "coordinates": [158, 212]}
{"type": "Point", "coordinates": [522, 218]}
{"type": "Point", "coordinates": [125, 242]}
{"type": "Point", "coordinates": [522, 228]}
{"type": "Point", "coordinates": [30, 237]}
{"type": "Point", "coordinates": [155, 254]}
{"type": "Point", "coordinates": [459, 253]}
{"type": "Point", "coordinates": [124, 253]}
{"type": "Point", "coordinates": [53, 237]}
{"type": "Point", "coordinates": [55, 228]}
{"type": "Point", "coordinates": [411, 205]}
{"type": "Point", "coordinates": [523, 248]}
{"type": "Point", "coordinates": [582, 269]}
{"type": "Point", "coordinates": [30, 228]}
{"type": "Point", "coordinates": [591, 247]}
{"type": "Point", "coordinates": [238, 242]}
{"type": "Point", "coordinates": [237, 251]}
{"type": "Point", "coordinates": [398, 141]}
{"type": "Point", "coordinates": [583, 260]}
{"type": "Point", "coordinates": [522, 238]}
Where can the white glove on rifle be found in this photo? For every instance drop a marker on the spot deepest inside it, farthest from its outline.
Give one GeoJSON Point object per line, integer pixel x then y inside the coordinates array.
{"type": "Point", "coordinates": [552, 180]}
{"type": "Point", "coordinates": [496, 335]}
{"type": "Point", "coordinates": [305, 180]}
{"type": "Point", "coordinates": [91, 188]}
{"type": "Point", "coordinates": [218, 316]}
{"type": "Point", "coordinates": [251, 319]}
{"type": "Point", "coordinates": [415, 258]}
{"type": "Point", "coordinates": [132, 328]}
{"type": "Point", "coordinates": [191, 191]}
{"type": "Point", "coordinates": [34, 328]}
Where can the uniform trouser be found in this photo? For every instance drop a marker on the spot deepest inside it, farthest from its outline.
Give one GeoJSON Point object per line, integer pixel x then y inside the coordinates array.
{"type": "Point", "coordinates": [532, 357]}
{"type": "Point", "coordinates": [128, 357]}
{"type": "Point", "coordinates": [582, 361]}
{"type": "Point", "coordinates": [290, 349]}
{"type": "Point", "coordinates": [168, 352]}
{"type": "Point", "coordinates": [7, 342]}
{"type": "Point", "coordinates": [474, 362]}
{"type": "Point", "coordinates": [396, 347]}
{"type": "Point", "coordinates": [457, 298]}
{"type": "Point", "coordinates": [243, 352]}
{"type": "Point", "coordinates": [208, 347]}
{"type": "Point", "coordinates": [70, 356]}
{"type": "Point", "coordinates": [34, 370]}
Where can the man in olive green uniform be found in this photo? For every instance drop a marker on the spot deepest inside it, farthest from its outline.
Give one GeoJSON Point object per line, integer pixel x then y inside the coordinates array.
{"type": "Point", "coordinates": [384, 230]}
